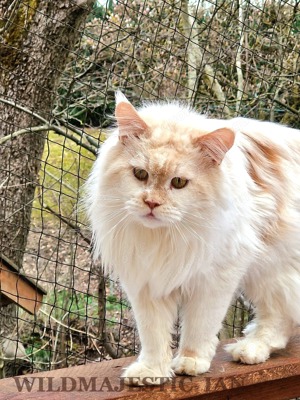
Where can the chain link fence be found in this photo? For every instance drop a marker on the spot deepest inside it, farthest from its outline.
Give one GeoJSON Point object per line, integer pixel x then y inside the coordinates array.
{"type": "Point", "coordinates": [225, 58]}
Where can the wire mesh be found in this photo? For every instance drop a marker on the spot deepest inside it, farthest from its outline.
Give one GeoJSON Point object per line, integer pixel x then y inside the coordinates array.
{"type": "Point", "coordinates": [225, 58]}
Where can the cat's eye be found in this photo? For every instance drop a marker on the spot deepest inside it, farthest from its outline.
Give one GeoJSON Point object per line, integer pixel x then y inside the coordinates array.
{"type": "Point", "coordinates": [179, 183]}
{"type": "Point", "coordinates": [140, 174]}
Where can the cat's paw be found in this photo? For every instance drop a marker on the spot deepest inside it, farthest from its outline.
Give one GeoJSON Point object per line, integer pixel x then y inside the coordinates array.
{"type": "Point", "coordinates": [140, 374]}
{"type": "Point", "coordinates": [190, 365]}
{"type": "Point", "coordinates": [249, 351]}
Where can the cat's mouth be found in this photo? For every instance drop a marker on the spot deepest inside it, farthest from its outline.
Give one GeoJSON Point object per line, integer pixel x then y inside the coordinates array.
{"type": "Point", "coordinates": [150, 215]}
{"type": "Point", "coordinates": [150, 220]}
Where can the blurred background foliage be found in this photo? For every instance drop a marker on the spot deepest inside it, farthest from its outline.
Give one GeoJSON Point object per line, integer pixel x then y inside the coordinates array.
{"type": "Point", "coordinates": [143, 47]}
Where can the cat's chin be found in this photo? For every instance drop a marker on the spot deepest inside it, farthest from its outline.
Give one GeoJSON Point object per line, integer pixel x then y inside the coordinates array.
{"type": "Point", "coordinates": [152, 222]}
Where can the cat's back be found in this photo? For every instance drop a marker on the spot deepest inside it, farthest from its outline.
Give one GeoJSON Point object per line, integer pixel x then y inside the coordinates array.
{"type": "Point", "coordinates": [266, 132]}
{"type": "Point", "coordinates": [272, 154]}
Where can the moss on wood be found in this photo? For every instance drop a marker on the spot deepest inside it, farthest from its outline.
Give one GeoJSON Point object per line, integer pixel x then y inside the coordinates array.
{"type": "Point", "coordinates": [15, 26]}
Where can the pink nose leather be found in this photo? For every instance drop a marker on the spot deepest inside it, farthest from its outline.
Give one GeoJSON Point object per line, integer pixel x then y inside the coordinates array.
{"type": "Point", "coordinates": [151, 204]}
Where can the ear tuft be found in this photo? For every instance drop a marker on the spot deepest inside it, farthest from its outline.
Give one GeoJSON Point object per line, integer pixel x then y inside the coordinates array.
{"type": "Point", "coordinates": [128, 119]}
{"type": "Point", "coordinates": [217, 143]}
{"type": "Point", "coordinates": [120, 97]}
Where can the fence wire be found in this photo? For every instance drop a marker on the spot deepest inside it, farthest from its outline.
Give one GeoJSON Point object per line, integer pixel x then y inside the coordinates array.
{"type": "Point", "coordinates": [225, 58]}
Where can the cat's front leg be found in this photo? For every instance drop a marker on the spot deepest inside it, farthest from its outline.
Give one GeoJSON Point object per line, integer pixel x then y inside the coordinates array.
{"type": "Point", "coordinates": [203, 311]}
{"type": "Point", "coordinates": [155, 319]}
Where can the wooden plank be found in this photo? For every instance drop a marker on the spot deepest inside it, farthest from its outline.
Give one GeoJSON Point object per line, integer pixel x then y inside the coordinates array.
{"type": "Point", "coordinates": [18, 290]}
{"type": "Point", "coordinates": [276, 379]}
{"type": "Point", "coordinates": [14, 268]}
{"type": "Point", "coordinates": [282, 389]}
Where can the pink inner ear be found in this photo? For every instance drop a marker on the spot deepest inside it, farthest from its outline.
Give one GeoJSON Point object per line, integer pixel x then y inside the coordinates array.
{"type": "Point", "coordinates": [129, 122]}
{"type": "Point", "coordinates": [217, 143]}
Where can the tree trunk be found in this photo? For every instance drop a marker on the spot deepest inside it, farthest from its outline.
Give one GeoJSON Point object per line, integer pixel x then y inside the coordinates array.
{"type": "Point", "coordinates": [36, 37]}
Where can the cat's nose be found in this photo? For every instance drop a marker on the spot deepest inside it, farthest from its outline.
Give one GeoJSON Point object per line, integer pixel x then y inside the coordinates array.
{"type": "Point", "coordinates": [151, 204]}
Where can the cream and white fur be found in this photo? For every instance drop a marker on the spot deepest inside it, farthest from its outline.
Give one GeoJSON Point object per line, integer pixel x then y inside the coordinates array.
{"type": "Point", "coordinates": [236, 224]}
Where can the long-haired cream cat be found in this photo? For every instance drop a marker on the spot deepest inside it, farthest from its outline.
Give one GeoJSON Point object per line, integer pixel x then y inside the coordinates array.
{"type": "Point", "coordinates": [185, 210]}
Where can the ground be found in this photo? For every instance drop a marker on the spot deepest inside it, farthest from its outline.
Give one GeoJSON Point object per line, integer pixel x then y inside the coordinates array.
{"type": "Point", "coordinates": [66, 330]}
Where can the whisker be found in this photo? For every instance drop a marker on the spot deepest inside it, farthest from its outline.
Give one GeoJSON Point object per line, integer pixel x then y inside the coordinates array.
{"type": "Point", "coordinates": [192, 219]}
{"type": "Point", "coordinates": [115, 226]}
{"type": "Point", "coordinates": [184, 238]}
{"type": "Point", "coordinates": [197, 236]}
{"type": "Point", "coordinates": [172, 237]}
{"type": "Point", "coordinates": [111, 216]}
{"type": "Point", "coordinates": [197, 216]}
{"type": "Point", "coordinates": [114, 206]}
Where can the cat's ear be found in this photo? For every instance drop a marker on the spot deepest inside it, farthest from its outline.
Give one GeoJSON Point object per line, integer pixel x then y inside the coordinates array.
{"type": "Point", "coordinates": [128, 120]}
{"type": "Point", "coordinates": [216, 144]}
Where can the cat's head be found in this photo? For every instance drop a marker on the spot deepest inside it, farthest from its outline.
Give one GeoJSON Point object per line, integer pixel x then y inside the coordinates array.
{"type": "Point", "coordinates": [165, 167]}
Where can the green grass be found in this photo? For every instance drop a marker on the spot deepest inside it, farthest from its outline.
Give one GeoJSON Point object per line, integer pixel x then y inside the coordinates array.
{"type": "Point", "coordinates": [71, 305]}
{"type": "Point", "coordinates": [65, 167]}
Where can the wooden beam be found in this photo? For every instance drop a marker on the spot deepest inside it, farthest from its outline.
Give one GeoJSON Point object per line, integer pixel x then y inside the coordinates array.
{"type": "Point", "coordinates": [276, 379]}
{"type": "Point", "coordinates": [16, 287]}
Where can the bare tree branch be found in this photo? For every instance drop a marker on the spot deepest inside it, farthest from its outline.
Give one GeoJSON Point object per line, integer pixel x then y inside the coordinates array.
{"type": "Point", "coordinates": [26, 110]}
{"type": "Point", "coordinates": [59, 130]}
{"type": "Point", "coordinates": [196, 58]}
{"type": "Point", "coordinates": [76, 228]}
{"type": "Point", "coordinates": [291, 109]}
{"type": "Point", "coordinates": [23, 131]}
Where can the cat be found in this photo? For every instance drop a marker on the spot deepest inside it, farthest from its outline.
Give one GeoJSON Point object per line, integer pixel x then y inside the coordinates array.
{"type": "Point", "coordinates": [185, 210]}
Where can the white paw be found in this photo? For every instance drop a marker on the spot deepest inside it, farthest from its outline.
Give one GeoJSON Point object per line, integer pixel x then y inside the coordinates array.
{"type": "Point", "coordinates": [140, 374]}
{"type": "Point", "coordinates": [249, 351]}
{"type": "Point", "coordinates": [190, 365]}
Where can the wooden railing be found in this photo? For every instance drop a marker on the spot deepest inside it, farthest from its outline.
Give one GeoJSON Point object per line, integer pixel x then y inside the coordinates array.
{"type": "Point", "coordinates": [276, 379]}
